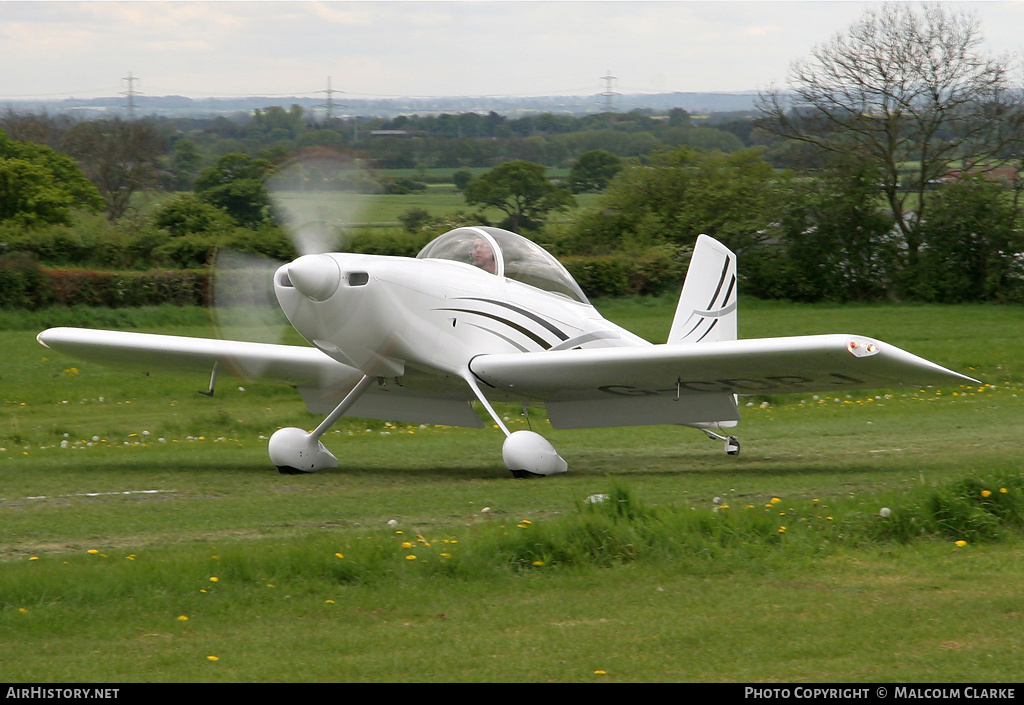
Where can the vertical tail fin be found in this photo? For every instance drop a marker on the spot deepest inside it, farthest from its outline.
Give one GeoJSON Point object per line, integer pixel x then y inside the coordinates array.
{"type": "Point", "coordinates": [707, 305]}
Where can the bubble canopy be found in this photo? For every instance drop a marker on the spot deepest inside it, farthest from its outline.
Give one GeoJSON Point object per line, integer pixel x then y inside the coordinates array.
{"type": "Point", "coordinates": [505, 254]}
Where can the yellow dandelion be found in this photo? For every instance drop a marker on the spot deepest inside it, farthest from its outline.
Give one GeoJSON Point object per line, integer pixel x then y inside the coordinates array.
{"type": "Point", "coordinates": [446, 555]}
{"type": "Point", "coordinates": [329, 602]}
{"type": "Point", "coordinates": [782, 529]}
{"type": "Point", "coordinates": [724, 506]}
{"type": "Point", "coordinates": [339, 555]}
{"type": "Point", "coordinates": [212, 658]}
{"type": "Point", "coordinates": [411, 557]}
{"type": "Point", "coordinates": [34, 558]}
{"type": "Point", "coordinates": [406, 544]}
{"type": "Point", "coordinates": [92, 550]}
{"type": "Point", "coordinates": [182, 618]}
{"type": "Point", "coordinates": [214, 578]}
{"type": "Point", "coordinates": [775, 500]}
{"type": "Point", "coordinates": [1003, 490]}
{"type": "Point", "coordinates": [961, 543]}
{"type": "Point", "coordinates": [538, 563]}
{"type": "Point", "coordinates": [986, 493]}
{"type": "Point", "coordinates": [23, 610]}
{"type": "Point", "coordinates": [600, 672]}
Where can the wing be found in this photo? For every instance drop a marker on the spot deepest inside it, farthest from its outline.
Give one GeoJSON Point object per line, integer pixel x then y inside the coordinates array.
{"type": "Point", "coordinates": [696, 383]}
{"type": "Point", "coordinates": [321, 380]}
{"type": "Point", "coordinates": [146, 353]}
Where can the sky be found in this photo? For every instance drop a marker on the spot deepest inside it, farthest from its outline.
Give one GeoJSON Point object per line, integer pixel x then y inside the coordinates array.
{"type": "Point", "coordinates": [52, 49]}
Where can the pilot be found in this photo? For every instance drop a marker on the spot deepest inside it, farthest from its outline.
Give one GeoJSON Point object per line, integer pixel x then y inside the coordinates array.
{"type": "Point", "coordinates": [482, 255]}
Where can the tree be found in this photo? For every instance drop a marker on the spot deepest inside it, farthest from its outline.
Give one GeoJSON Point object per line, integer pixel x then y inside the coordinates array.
{"type": "Point", "coordinates": [681, 194]}
{"type": "Point", "coordinates": [119, 156]}
{"type": "Point", "coordinates": [593, 170]}
{"type": "Point", "coordinates": [909, 91]}
{"type": "Point", "coordinates": [236, 185]}
{"type": "Point", "coordinates": [188, 215]}
{"type": "Point", "coordinates": [29, 194]}
{"type": "Point", "coordinates": [461, 178]}
{"type": "Point", "coordinates": [837, 242]}
{"type": "Point", "coordinates": [971, 243]}
{"type": "Point", "coordinates": [185, 162]}
{"type": "Point", "coordinates": [40, 185]}
{"type": "Point", "coordinates": [677, 117]}
{"type": "Point", "coordinates": [521, 191]}
{"type": "Point", "coordinates": [412, 219]}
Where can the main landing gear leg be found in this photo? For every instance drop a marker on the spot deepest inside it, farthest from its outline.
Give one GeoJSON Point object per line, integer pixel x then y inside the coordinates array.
{"type": "Point", "coordinates": [732, 444]}
{"type": "Point", "coordinates": [526, 454]}
{"type": "Point", "coordinates": [294, 451]}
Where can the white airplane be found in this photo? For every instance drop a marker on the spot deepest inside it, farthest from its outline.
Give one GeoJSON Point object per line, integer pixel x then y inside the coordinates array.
{"type": "Point", "coordinates": [482, 314]}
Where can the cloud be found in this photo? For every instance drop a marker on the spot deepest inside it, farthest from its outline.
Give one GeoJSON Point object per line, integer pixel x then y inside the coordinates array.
{"type": "Point", "coordinates": [421, 48]}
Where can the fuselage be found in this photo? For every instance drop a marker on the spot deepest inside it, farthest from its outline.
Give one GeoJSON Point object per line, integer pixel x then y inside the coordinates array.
{"type": "Point", "coordinates": [383, 315]}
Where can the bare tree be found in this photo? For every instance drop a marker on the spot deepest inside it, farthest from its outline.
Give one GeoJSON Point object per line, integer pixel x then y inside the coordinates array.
{"type": "Point", "coordinates": [910, 91]}
{"type": "Point", "coordinates": [119, 156]}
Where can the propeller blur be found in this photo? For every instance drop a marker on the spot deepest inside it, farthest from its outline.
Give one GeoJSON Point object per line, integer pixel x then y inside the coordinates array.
{"type": "Point", "coordinates": [484, 315]}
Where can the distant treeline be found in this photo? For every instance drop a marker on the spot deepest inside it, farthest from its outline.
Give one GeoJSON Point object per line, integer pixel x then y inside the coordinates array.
{"type": "Point", "coordinates": [471, 140]}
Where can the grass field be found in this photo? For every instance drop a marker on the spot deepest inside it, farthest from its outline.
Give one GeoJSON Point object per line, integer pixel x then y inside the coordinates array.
{"type": "Point", "coordinates": [439, 200]}
{"type": "Point", "coordinates": [147, 538]}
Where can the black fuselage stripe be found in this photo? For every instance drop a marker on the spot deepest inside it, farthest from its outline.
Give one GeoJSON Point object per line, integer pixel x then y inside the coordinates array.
{"type": "Point", "coordinates": [529, 314]}
{"type": "Point", "coordinates": [517, 346]}
{"type": "Point", "coordinates": [514, 326]}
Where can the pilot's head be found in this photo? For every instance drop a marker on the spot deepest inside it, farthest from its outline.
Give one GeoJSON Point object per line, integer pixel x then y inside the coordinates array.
{"type": "Point", "coordinates": [482, 255]}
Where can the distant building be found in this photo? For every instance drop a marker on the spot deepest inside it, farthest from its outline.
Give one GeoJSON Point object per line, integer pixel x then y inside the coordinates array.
{"type": "Point", "coordinates": [1008, 176]}
{"type": "Point", "coordinates": [395, 133]}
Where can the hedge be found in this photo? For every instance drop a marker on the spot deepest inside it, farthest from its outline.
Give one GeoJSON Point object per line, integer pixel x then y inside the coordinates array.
{"type": "Point", "coordinates": [650, 273]}
{"type": "Point", "coordinates": [24, 284]}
